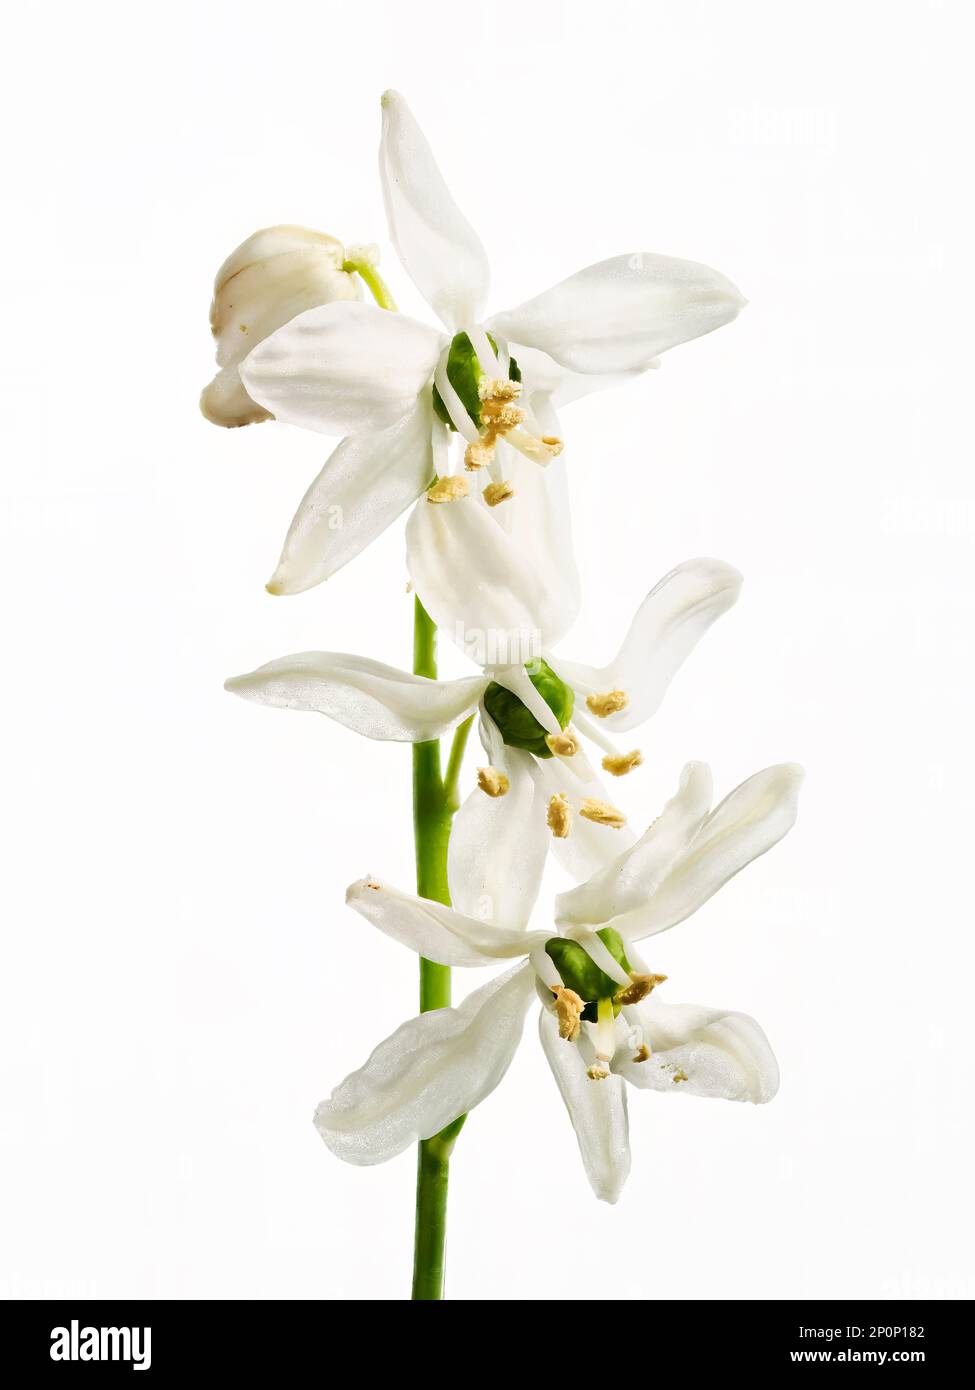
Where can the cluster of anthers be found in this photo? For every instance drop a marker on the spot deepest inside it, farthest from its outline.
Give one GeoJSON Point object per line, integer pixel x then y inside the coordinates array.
{"type": "Point", "coordinates": [501, 418]}
{"type": "Point", "coordinates": [565, 744]}
{"type": "Point", "coordinates": [569, 1009]}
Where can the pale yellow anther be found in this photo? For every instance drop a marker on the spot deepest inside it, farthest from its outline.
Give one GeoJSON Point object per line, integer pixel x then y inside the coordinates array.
{"type": "Point", "coordinates": [610, 702]}
{"type": "Point", "coordinates": [479, 455]}
{"type": "Point", "coordinates": [564, 744]}
{"type": "Point", "coordinates": [622, 763]}
{"type": "Point", "coordinates": [568, 1011]}
{"type": "Point", "coordinates": [642, 1053]}
{"type": "Point", "coordinates": [495, 389]}
{"type": "Point", "coordinates": [597, 1072]}
{"type": "Point", "coordinates": [502, 415]}
{"type": "Point", "coordinates": [559, 818]}
{"type": "Point", "coordinates": [448, 489]}
{"type": "Point", "coordinates": [492, 781]}
{"type": "Point", "coordinates": [602, 813]}
{"type": "Point", "coordinates": [496, 493]}
{"type": "Point", "coordinates": [639, 987]}
{"type": "Point", "coordinates": [680, 1076]}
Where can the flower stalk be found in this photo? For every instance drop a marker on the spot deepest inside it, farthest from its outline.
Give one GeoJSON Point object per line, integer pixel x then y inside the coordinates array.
{"type": "Point", "coordinates": [434, 804]}
{"type": "Point", "coordinates": [435, 799]}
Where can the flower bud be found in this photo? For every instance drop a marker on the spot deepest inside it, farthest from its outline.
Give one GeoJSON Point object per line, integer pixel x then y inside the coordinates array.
{"type": "Point", "coordinates": [519, 727]}
{"type": "Point", "coordinates": [272, 277]}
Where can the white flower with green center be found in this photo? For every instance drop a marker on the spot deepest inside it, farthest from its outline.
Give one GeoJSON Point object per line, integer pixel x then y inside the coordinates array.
{"type": "Point", "coordinates": [534, 719]}
{"type": "Point", "coordinates": [405, 393]}
{"type": "Point", "coordinates": [599, 1024]}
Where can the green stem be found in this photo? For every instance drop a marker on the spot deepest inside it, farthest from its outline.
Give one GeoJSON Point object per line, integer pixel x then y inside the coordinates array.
{"type": "Point", "coordinates": [434, 803]}
{"type": "Point", "coordinates": [376, 284]}
{"type": "Point", "coordinates": [435, 800]}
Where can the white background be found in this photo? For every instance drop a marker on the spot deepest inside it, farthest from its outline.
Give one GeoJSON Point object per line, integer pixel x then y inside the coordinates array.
{"type": "Point", "coordinates": [181, 982]}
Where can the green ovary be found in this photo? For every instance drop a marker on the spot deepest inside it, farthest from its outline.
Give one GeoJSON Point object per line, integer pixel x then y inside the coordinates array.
{"type": "Point", "coordinates": [519, 727]}
{"type": "Point", "coordinates": [581, 973]}
{"type": "Point", "coordinates": [464, 374]}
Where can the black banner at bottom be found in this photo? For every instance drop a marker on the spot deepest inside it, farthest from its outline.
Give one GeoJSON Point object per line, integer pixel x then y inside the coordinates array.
{"type": "Point", "coordinates": [164, 1340]}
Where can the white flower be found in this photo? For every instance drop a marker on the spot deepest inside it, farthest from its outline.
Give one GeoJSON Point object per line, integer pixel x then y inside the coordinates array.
{"type": "Point", "coordinates": [537, 765]}
{"type": "Point", "coordinates": [274, 275]}
{"type": "Point", "coordinates": [438, 1066]}
{"type": "Point", "coordinates": [359, 371]}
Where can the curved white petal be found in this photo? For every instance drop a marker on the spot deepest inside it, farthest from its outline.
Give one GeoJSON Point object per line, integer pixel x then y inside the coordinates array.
{"type": "Point", "coordinates": [597, 1110]}
{"type": "Point", "coordinates": [618, 315]}
{"type": "Point", "coordinates": [588, 847]}
{"type": "Point", "coordinates": [542, 374]}
{"type": "Point", "coordinates": [631, 878]}
{"type": "Point", "coordinates": [441, 251]}
{"type": "Point", "coordinates": [538, 522]}
{"type": "Point", "coordinates": [367, 482]}
{"type": "Point", "coordinates": [481, 587]}
{"type": "Point", "coordinates": [435, 931]}
{"type": "Point", "coordinates": [373, 699]}
{"type": "Point", "coordinates": [667, 627]}
{"type": "Point", "coordinates": [498, 846]}
{"type": "Point", "coordinates": [431, 1070]}
{"type": "Point", "coordinates": [749, 821]}
{"type": "Point", "coordinates": [343, 368]}
{"type": "Point", "coordinates": [701, 1052]}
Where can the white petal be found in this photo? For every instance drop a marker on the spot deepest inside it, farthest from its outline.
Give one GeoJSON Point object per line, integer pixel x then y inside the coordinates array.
{"type": "Point", "coordinates": [343, 368]}
{"type": "Point", "coordinates": [537, 520]}
{"type": "Point", "coordinates": [498, 846]}
{"type": "Point", "coordinates": [620, 314]}
{"type": "Point", "coordinates": [373, 699]}
{"type": "Point", "coordinates": [597, 1110]}
{"type": "Point", "coordinates": [542, 374]}
{"type": "Point", "coordinates": [744, 826]}
{"type": "Point", "coordinates": [667, 627]}
{"type": "Point", "coordinates": [588, 847]}
{"type": "Point", "coordinates": [481, 587]}
{"type": "Point", "coordinates": [439, 248]}
{"type": "Point", "coordinates": [431, 1070]}
{"type": "Point", "coordinates": [635, 874]}
{"type": "Point", "coordinates": [435, 931]}
{"type": "Point", "coordinates": [701, 1052]}
{"type": "Point", "coordinates": [367, 482]}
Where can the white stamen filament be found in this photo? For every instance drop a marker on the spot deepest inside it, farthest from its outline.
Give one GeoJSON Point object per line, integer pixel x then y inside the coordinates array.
{"type": "Point", "coordinates": [484, 352]}
{"type": "Point", "coordinates": [441, 449]}
{"type": "Point", "coordinates": [605, 1031]}
{"type": "Point", "coordinates": [544, 967]}
{"type": "Point", "coordinates": [599, 953]}
{"type": "Point", "coordinates": [517, 680]}
{"type": "Point", "coordinates": [455, 407]}
{"type": "Point", "coordinates": [540, 450]}
{"type": "Point", "coordinates": [580, 768]}
{"type": "Point", "coordinates": [586, 726]}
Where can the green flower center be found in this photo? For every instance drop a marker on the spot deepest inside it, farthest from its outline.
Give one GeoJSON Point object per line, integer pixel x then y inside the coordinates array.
{"type": "Point", "coordinates": [519, 727]}
{"type": "Point", "coordinates": [581, 973]}
{"type": "Point", "coordinates": [464, 374]}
